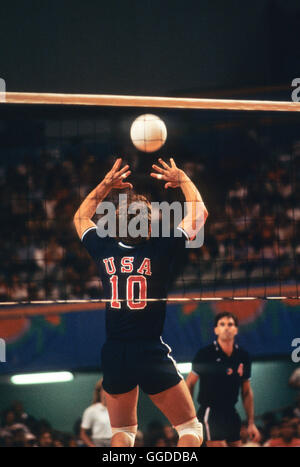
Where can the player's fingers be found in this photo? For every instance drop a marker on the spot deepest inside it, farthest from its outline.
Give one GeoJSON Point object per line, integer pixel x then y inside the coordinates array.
{"type": "Point", "coordinates": [116, 166]}
{"type": "Point", "coordinates": [123, 170]}
{"type": "Point", "coordinates": [125, 175]}
{"type": "Point", "coordinates": [163, 163]}
{"type": "Point", "coordinates": [127, 185]}
{"type": "Point", "coordinates": [158, 169]}
{"type": "Point", "coordinates": [117, 163]}
{"type": "Point", "coordinates": [158, 176]}
{"type": "Point", "coordinates": [173, 162]}
{"type": "Point", "coordinates": [167, 185]}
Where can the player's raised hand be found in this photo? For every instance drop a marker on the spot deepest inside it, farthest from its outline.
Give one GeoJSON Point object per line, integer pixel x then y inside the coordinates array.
{"type": "Point", "coordinates": [116, 176]}
{"type": "Point", "coordinates": [169, 173]}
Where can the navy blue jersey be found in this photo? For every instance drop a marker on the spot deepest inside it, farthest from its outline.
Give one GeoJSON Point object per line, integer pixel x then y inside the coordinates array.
{"type": "Point", "coordinates": [130, 275]}
{"type": "Point", "coordinates": [220, 375]}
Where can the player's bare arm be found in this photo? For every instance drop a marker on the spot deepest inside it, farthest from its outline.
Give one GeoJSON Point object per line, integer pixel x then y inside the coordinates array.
{"type": "Point", "coordinates": [177, 178]}
{"type": "Point", "coordinates": [114, 179]}
{"type": "Point", "coordinates": [191, 381]}
{"type": "Point", "coordinates": [248, 402]}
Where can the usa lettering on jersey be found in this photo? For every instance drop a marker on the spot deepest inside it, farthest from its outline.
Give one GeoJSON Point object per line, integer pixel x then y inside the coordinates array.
{"type": "Point", "coordinates": [134, 281]}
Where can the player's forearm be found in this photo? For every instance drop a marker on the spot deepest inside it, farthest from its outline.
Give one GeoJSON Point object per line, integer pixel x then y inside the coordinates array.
{"type": "Point", "coordinates": [85, 212]}
{"type": "Point", "coordinates": [189, 190]}
{"type": "Point", "coordinates": [88, 207]}
{"type": "Point", "coordinates": [192, 196]}
{"type": "Point", "coordinates": [196, 211]}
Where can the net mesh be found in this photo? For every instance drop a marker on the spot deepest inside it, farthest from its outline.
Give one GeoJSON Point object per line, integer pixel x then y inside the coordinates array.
{"type": "Point", "coordinates": [246, 167]}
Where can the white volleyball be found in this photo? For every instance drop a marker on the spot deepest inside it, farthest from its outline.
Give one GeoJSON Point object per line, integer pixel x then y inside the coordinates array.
{"type": "Point", "coordinates": [148, 133]}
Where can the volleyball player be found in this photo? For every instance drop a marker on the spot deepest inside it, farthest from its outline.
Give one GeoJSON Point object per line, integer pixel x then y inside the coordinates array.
{"type": "Point", "coordinates": [133, 270]}
{"type": "Point", "coordinates": [223, 368]}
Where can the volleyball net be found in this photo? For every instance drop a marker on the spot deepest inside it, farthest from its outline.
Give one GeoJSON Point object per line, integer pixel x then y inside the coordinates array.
{"type": "Point", "coordinates": [244, 156]}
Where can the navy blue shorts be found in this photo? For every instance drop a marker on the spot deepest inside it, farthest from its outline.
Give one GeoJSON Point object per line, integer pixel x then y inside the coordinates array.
{"type": "Point", "coordinates": [220, 424]}
{"type": "Point", "coordinates": [147, 364]}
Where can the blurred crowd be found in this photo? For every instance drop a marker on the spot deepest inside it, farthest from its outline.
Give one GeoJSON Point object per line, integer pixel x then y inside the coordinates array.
{"type": "Point", "coordinates": [19, 429]}
{"type": "Point", "coordinates": [251, 236]}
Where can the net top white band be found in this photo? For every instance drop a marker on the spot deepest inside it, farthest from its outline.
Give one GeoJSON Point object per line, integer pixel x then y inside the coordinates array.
{"type": "Point", "coordinates": [146, 101]}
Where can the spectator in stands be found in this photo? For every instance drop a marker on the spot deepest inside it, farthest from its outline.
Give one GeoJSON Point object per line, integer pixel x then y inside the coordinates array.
{"type": "Point", "coordinates": [58, 440]}
{"type": "Point", "coordinates": [287, 437]}
{"type": "Point", "coordinates": [6, 440]}
{"type": "Point", "coordinates": [269, 425]}
{"type": "Point", "coordinates": [96, 419]}
{"type": "Point", "coordinates": [43, 426]}
{"type": "Point", "coordinates": [30, 440]}
{"type": "Point", "coordinates": [160, 442]}
{"type": "Point", "coordinates": [274, 433]}
{"type": "Point", "coordinates": [170, 435]}
{"type": "Point", "coordinates": [155, 430]}
{"type": "Point", "coordinates": [10, 424]}
{"type": "Point", "coordinates": [20, 440]}
{"type": "Point", "coordinates": [21, 416]}
{"type": "Point", "coordinates": [71, 442]}
{"type": "Point", "coordinates": [298, 430]}
{"type": "Point", "coordinates": [45, 440]}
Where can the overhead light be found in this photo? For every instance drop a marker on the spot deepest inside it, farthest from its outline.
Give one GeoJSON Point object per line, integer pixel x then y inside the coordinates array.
{"type": "Point", "coordinates": [184, 368]}
{"type": "Point", "coordinates": [41, 378]}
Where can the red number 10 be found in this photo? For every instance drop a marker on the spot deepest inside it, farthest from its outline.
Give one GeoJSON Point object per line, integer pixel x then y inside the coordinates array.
{"type": "Point", "coordinates": [133, 304]}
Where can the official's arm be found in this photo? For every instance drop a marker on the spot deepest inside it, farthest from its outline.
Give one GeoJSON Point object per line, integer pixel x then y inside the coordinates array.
{"type": "Point", "coordinates": [248, 402]}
